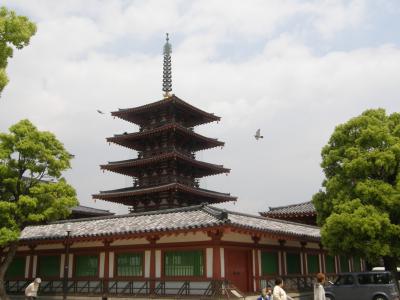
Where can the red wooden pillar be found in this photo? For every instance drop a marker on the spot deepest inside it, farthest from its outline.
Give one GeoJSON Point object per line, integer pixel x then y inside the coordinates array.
{"type": "Point", "coordinates": [337, 265]}
{"type": "Point", "coordinates": [304, 258]}
{"type": "Point", "coordinates": [256, 240]}
{"type": "Point", "coordinates": [282, 260]}
{"type": "Point", "coordinates": [152, 240]}
{"type": "Point", "coordinates": [106, 265]}
{"type": "Point", "coordinates": [152, 269]}
{"type": "Point", "coordinates": [31, 254]}
{"type": "Point", "coordinates": [322, 267]}
{"type": "Point", "coordinates": [216, 262]}
{"type": "Point", "coordinates": [216, 240]}
{"type": "Point", "coordinates": [351, 266]}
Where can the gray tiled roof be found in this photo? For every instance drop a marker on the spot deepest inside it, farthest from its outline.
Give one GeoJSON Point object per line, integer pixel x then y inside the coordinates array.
{"type": "Point", "coordinates": [275, 226]}
{"type": "Point", "coordinates": [300, 208]}
{"type": "Point", "coordinates": [200, 216]}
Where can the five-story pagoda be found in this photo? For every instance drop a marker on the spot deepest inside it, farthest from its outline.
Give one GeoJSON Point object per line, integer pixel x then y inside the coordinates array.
{"type": "Point", "coordinates": [166, 173]}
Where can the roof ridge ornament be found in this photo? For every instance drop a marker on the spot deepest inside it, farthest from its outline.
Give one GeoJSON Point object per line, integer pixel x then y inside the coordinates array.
{"type": "Point", "coordinates": [167, 76]}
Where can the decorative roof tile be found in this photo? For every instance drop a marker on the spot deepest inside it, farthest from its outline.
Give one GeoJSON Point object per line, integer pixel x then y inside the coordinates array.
{"type": "Point", "coordinates": [187, 218]}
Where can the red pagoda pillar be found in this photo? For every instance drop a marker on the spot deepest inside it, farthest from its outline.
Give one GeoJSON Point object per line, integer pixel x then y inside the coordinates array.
{"type": "Point", "coordinates": [216, 241]}
{"type": "Point", "coordinates": [106, 265]}
{"type": "Point", "coordinates": [256, 240]}
{"type": "Point", "coordinates": [152, 241]}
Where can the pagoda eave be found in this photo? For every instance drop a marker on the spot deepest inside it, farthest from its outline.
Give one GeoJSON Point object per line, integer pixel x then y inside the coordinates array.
{"type": "Point", "coordinates": [128, 195]}
{"type": "Point", "coordinates": [135, 114]}
{"type": "Point", "coordinates": [139, 147]}
{"type": "Point", "coordinates": [133, 166]}
{"type": "Point", "coordinates": [136, 140]}
{"type": "Point", "coordinates": [133, 172]}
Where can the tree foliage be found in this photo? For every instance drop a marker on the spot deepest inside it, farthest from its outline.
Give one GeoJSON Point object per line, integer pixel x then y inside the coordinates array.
{"type": "Point", "coordinates": [15, 31]}
{"type": "Point", "coordinates": [32, 190]}
{"type": "Point", "coordinates": [359, 205]}
{"type": "Point", "coordinates": [31, 187]}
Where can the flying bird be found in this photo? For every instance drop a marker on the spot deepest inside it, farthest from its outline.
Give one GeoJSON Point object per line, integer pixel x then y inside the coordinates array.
{"type": "Point", "coordinates": [100, 112]}
{"type": "Point", "coordinates": [258, 136]}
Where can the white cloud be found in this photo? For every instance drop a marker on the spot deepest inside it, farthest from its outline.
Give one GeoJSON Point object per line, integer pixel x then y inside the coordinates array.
{"type": "Point", "coordinates": [332, 16]}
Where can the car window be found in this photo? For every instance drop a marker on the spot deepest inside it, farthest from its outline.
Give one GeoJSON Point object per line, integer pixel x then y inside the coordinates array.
{"type": "Point", "coordinates": [384, 278]}
{"type": "Point", "coordinates": [345, 280]}
{"type": "Point", "coordinates": [378, 278]}
{"type": "Point", "coordinates": [365, 279]}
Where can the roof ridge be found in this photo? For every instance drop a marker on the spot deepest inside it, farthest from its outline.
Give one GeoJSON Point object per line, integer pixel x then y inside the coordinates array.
{"type": "Point", "coordinates": [79, 205]}
{"type": "Point", "coordinates": [138, 214]}
{"type": "Point", "coordinates": [209, 209]}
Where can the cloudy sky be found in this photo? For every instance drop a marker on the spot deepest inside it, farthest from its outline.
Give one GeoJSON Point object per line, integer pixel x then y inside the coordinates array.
{"type": "Point", "coordinates": [295, 69]}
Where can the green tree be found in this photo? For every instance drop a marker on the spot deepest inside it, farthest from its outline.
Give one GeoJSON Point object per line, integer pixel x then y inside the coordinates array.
{"type": "Point", "coordinates": [359, 204]}
{"type": "Point", "coordinates": [15, 31]}
{"type": "Point", "coordinates": [32, 190]}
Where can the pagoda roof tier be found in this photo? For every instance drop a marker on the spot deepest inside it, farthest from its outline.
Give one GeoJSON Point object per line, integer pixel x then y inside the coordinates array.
{"type": "Point", "coordinates": [136, 141]}
{"type": "Point", "coordinates": [132, 167]}
{"type": "Point", "coordinates": [127, 195]}
{"type": "Point", "coordinates": [140, 114]}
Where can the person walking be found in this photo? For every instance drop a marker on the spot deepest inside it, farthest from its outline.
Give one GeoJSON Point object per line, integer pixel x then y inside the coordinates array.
{"type": "Point", "coordinates": [319, 291]}
{"type": "Point", "coordinates": [32, 289]}
{"type": "Point", "coordinates": [279, 293]}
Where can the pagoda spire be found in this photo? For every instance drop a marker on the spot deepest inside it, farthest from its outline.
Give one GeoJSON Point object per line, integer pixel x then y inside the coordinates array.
{"type": "Point", "coordinates": [167, 80]}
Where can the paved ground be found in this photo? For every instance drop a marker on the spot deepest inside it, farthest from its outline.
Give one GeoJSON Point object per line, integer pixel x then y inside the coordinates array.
{"type": "Point", "coordinates": [295, 296]}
